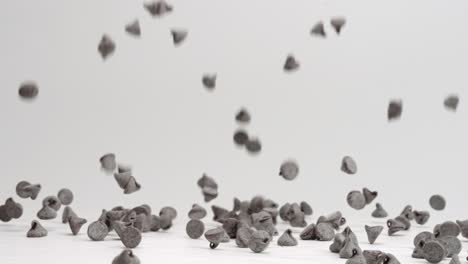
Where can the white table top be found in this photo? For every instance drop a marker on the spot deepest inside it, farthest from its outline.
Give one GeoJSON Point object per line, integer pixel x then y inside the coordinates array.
{"type": "Point", "coordinates": [175, 246]}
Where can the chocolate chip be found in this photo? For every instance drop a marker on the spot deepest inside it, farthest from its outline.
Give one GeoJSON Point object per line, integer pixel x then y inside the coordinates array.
{"type": "Point", "coordinates": [65, 196]}
{"type": "Point", "coordinates": [451, 102]}
{"type": "Point", "coordinates": [108, 162]}
{"type": "Point", "coordinates": [28, 90]}
{"type": "Point", "coordinates": [13, 209]}
{"type": "Point", "coordinates": [209, 81]}
{"type": "Point", "coordinates": [306, 208]}
{"type": "Point", "coordinates": [243, 235]}
{"type": "Point", "coordinates": [67, 213]}
{"type": "Point", "coordinates": [395, 108]}
{"type": "Point", "coordinates": [178, 36]}
{"type": "Point", "coordinates": [52, 202]}
{"type": "Point", "coordinates": [3, 214]}
{"type": "Point", "coordinates": [324, 232]}
{"type": "Point", "coordinates": [126, 257]}
{"type": "Point", "coordinates": [287, 239]}
{"type": "Point", "coordinates": [76, 223]}
{"type": "Point", "coordinates": [318, 30]}
{"type": "Point", "coordinates": [197, 212]}
{"type": "Point", "coordinates": [447, 228]}
{"type": "Point", "coordinates": [463, 227]}
{"type": "Point", "coordinates": [26, 190]}
{"type": "Point", "coordinates": [348, 165]}
{"type": "Point", "coordinates": [97, 231]}
{"type": "Point", "coordinates": [373, 232]}
{"type": "Point", "coordinates": [106, 46]}
{"type": "Point", "coordinates": [240, 137]}
{"type": "Point", "coordinates": [394, 226]}
{"type": "Point", "coordinates": [309, 233]}
{"type": "Point", "coordinates": [338, 23]}
{"type": "Point", "coordinates": [356, 200]}
{"type": "Point", "coordinates": [437, 202]}
{"type": "Point", "coordinates": [253, 145]}
{"type": "Point", "coordinates": [421, 217]}
{"type": "Point", "coordinates": [130, 237]}
{"type": "Point", "coordinates": [369, 195]}
{"type": "Point", "coordinates": [289, 170]}
{"type": "Point", "coordinates": [243, 116]}
{"type": "Point", "coordinates": [158, 8]}
{"type": "Point", "coordinates": [259, 241]}
{"type": "Point", "coordinates": [379, 211]}
{"type": "Point", "coordinates": [133, 28]}
{"type": "Point", "coordinates": [424, 237]}
{"type": "Point", "coordinates": [214, 236]}
{"type": "Point", "coordinates": [47, 213]}
{"type": "Point", "coordinates": [169, 211]}
{"type": "Point", "coordinates": [37, 230]}
{"type": "Point", "coordinates": [452, 245]}
{"type": "Point", "coordinates": [195, 228]}
{"type": "Point", "coordinates": [434, 251]}
{"type": "Point", "coordinates": [291, 64]}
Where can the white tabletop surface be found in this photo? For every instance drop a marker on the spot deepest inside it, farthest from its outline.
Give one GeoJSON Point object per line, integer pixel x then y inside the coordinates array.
{"type": "Point", "coordinates": [175, 246]}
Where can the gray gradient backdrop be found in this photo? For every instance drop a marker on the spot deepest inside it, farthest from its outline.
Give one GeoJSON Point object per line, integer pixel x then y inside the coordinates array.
{"type": "Point", "coordinates": [146, 102]}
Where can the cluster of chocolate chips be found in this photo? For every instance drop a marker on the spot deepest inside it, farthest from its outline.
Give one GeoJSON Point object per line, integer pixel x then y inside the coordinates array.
{"type": "Point", "coordinates": [346, 245]}
{"type": "Point", "coordinates": [129, 224]}
{"type": "Point", "coordinates": [156, 9]}
{"type": "Point", "coordinates": [358, 200]}
{"type": "Point", "coordinates": [209, 187]}
{"type": "Point", "coordinates": [295, 213]}
{"type": "Point", "coordinates": [403, 221]}
{"type": "Point", "coordinates": [242, 138]}
{"type": "Point", "coordinates": [123, 175]}
{"type": "Point", "coordinates": [442, 243]}
{"type": "Point", "coordinates": [10, 210]}
{"type": "Point", "coordinates": [252, 223]}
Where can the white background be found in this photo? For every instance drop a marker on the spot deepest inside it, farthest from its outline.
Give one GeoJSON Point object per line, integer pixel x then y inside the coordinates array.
{"type": "Point", "coordinates": [146, 103]}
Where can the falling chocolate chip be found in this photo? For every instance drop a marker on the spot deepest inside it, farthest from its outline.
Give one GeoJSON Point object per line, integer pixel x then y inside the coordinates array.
{"type": "Point", "coordinates": [348, 165]}
{"type": "Point", "coordinates": [318, 30]}
{"type": "Point", "coordinates": [356, 200]}
{"type": "Point", "coordinates": [451, 102]}
{"type": "Point", "coordinates": [240, 137]}
{"type": "Point", "coordinates": [379, 211]}
{"type": "Point", "coordinates": [338, 23]}
{"type": "Point", "coordinates": [209, 81]}
{"type": "Point", "coordinates": [133, 28]}
{"type": "Point", "coordinates": [291, 64]}
{"type": "Point", "coordinates": [437, 202]}
{"type": "Point", "coordinates": [373, 232]}
{"type": "Point", "coordinates": [253, 145]}
{"type": "Point", "coordinates": [289, 170]}
{"type": "Point", "coordinates": [178, 36]}
{"type": "Point", "coordinates": [65, 196]}
{"type": "Point", "coordinates": [158, 8]}
{"type": "Point", "coordinates": [28, 90]}
{"type": "Point", "coordinates": [106, 46]}
{"type": "Point", "coordinates": [395, 108]}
